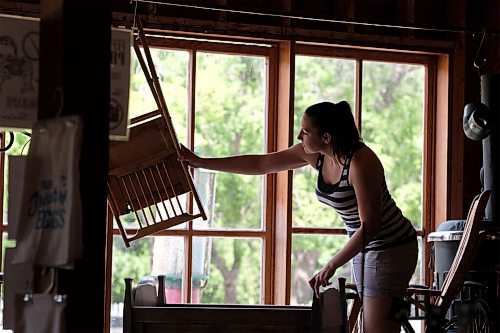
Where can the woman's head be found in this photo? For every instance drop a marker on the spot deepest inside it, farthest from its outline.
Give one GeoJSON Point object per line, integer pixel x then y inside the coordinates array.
{"type": "Point", "coordinates": [335, 127]}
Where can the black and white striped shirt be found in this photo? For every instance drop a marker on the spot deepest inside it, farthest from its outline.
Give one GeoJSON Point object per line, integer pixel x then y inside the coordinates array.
{"type": "Point", "coordinates": [395, 228]}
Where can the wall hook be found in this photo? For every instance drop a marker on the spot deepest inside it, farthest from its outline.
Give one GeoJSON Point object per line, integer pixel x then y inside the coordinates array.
{"type": "Point", "coordinates": [483, 61]}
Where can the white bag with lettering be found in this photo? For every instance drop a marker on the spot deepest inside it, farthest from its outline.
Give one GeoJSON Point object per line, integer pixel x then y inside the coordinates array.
{"type": "Point", "coordinates": [49, 227]}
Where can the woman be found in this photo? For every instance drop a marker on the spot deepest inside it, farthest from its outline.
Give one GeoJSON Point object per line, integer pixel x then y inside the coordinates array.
{"type": "Point", "coordinates": [351, 180]}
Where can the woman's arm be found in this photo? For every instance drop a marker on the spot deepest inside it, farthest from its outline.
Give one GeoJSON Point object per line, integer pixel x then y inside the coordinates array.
{"type": "Point", "coordinates": [291, 158]}
{"type": "Point", "coordinates": [366, 176]}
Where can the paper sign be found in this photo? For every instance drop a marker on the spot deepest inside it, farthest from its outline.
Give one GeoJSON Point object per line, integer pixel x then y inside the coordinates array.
{"type": "Point", "coordinates": [121, 41]}
{"type": "Point", "coordinates": [19, 69]}
{"type": "Point", "coordinates": [19, 52]}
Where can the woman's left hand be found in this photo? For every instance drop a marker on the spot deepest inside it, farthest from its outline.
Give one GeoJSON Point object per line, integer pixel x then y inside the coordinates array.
{"type": "Point", "coordinates": [321, 278]}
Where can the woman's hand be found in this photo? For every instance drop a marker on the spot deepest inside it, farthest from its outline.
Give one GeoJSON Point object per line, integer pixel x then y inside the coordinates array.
{"type": "Point", "coordinates": [321, 278]}
{"type": "Point", "coordinates": [189, 157]}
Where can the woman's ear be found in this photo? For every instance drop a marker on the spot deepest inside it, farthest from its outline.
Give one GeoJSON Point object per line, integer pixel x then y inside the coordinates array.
{"type": "Point", "coordinates": [326, 138]}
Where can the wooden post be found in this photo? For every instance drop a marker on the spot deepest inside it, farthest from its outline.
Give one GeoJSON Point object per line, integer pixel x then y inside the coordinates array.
{"type": "Point", "coordinates": [75, 75]}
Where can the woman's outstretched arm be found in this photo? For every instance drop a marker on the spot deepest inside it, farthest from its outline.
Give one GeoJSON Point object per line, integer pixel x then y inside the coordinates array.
{"type": "Point", "coordinates": [291, 158]}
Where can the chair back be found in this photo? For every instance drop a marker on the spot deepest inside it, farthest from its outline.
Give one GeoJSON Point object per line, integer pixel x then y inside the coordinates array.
{"type": "Point", "coordinates": [467, 248]}
{"type": "Point", "coordinates": [145, 176]}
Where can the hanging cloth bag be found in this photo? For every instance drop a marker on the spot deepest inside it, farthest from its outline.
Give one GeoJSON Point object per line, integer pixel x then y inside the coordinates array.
{"type": "Point", "coordinates": [37, 313]}
{"type": "Point", "coordinates": [49, 226]}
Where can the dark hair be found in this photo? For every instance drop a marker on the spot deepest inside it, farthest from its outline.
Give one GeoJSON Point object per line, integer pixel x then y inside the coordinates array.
{"type": "Point", "coordinates": [338, 121]}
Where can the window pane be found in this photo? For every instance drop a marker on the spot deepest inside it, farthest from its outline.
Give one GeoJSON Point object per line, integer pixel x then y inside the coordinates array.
{"type": "Point", "coordinates": [168, 259]}
{"type": "Point", "coordinates": [19, 147]}
{"type": "Point", "coordinates": [202, 254]}
{"type": "Point", "coordinates": [317, 79]}
{"type": "Point", "coordinates": [235, 270]}
{"type": "Point", "coordinates": [205, 182]}
{"type": "Point", "coordinates": [418, 275]}
{"type": "Point", "coordinates": [309, 254]}
{"type": "Point", "coordinates": [172, 69]}
{"type": "Point", "coordinates": [392, 125]}
{"type": "Point", "coordinates": [230, 114]}
{"type": "Point", "coordinates": [133, 262]}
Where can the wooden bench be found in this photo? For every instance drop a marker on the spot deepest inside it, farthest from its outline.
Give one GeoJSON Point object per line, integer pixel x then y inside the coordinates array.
{"type": "Point", "coordinates": [208, 318]}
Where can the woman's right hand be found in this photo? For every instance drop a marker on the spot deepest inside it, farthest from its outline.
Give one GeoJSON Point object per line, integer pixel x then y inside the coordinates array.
{"type": "Point", "coordinates": [189, 157]}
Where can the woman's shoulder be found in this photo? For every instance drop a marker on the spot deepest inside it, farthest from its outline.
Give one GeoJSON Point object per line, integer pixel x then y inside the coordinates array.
{"type": "Point", "coordinates": [311, 159]}
{"type": "Point", "coordinates": [365, 158]}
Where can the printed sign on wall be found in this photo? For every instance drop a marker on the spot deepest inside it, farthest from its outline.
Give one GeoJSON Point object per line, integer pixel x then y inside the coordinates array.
{"type": "Point", "coordinates": [121, 41]}
{"type": "Point", "coordinates": [19, 68]}
{"type": "Point", "coordinates": [19, 46]}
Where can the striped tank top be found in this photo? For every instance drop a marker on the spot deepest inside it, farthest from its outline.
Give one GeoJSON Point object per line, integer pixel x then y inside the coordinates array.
{"type": "Point", "coordinates": [395, 228]}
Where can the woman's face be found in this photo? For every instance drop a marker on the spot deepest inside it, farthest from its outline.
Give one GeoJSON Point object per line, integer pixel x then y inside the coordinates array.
{"type": "Point", "coordinates": [310, 137]}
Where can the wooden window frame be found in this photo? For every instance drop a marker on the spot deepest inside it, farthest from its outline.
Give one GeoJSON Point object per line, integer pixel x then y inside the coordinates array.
{"type": "Point", "coordinates": [277, 228]}
{"type": "Point", "coordinates": [436, 133]}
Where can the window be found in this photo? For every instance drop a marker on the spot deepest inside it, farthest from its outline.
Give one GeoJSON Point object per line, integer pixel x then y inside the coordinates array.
{"type": "Point", "coordinates": [387, 97]}
{"type": "Point", "coordinates": [222, 96]}
{"type": "Point", "coordinates": [216, 95]}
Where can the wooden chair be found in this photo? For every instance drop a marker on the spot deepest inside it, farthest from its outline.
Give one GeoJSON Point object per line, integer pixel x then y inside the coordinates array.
{"type": "Point", "coordinates": [145, 176]}
{"type": "Point", "coordinates": [435, 303]}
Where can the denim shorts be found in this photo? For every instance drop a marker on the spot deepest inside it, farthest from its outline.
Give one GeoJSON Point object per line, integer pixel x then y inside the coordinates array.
{"type": "Point", "coordinates": [386, 273]}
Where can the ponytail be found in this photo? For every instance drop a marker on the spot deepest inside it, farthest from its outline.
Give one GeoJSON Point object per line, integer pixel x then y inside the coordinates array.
{"type": "Point", "coordinates": [338, 121]}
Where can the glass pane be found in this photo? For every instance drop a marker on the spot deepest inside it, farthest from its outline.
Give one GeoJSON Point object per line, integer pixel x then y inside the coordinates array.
{"type": "Point", "coordinates": [172, 69]}
{"type": "Point", "coordinates": [20, 146]}
{"type": "Point", "coordinates": [133, 262]}
{"type": "Point", "coordinates": [418, 275]}
{"type": "Point", "coordinates": [202, 251]}
{"type": "Point", "coordinates": [234, 270]}
{"type": "Point", "coordinates": [168, 260]}
{"type": "Point", "coordinates": [230, 120]}
{"type": "Point", "coordinates": [392, 125]}
{"type": "Point", "coordinates": [309, 254]}
{"type": "Point", "coordinates": [317, 80]}
{"type": "Point", "coordinates": [205, 183]}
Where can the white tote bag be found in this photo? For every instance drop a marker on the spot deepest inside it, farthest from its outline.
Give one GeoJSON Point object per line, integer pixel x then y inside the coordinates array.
{"type": "Point", "coordinates": [36, 313]}
{"type": "Point", "coordinates": [49, 227]}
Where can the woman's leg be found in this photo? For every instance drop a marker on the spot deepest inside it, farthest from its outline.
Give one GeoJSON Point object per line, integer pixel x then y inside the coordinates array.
{"type": "Point", "coordinates": [376, 316]}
